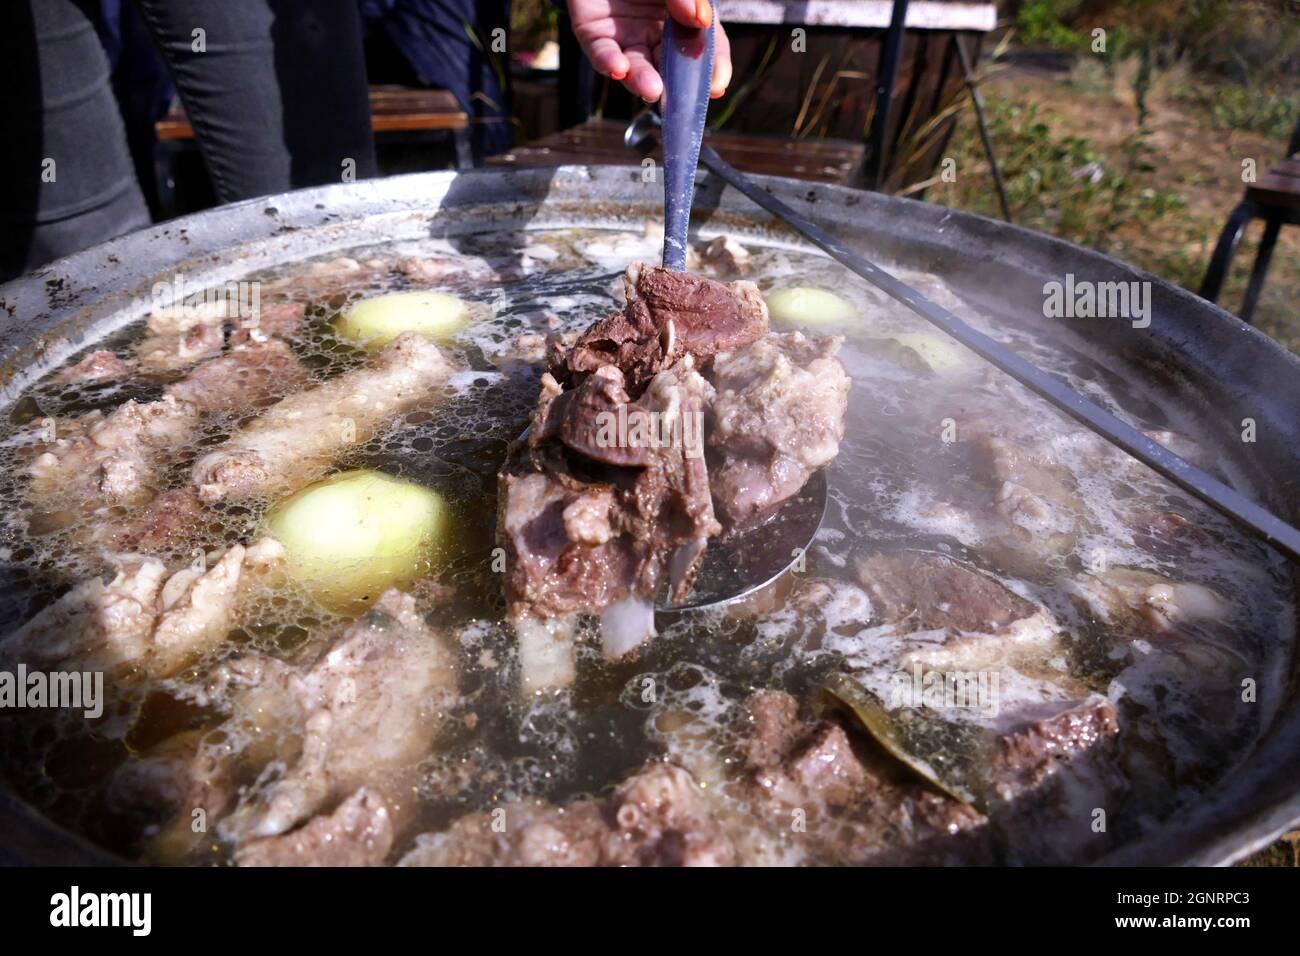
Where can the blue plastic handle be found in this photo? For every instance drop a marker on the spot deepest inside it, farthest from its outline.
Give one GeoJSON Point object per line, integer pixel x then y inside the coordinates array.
{"type": "Point", "coordinates": [687, 68]}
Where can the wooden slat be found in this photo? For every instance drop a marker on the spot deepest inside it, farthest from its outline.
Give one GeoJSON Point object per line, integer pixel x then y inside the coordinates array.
{"type": "Point", "coordinates": [392, 109]}
{"type": "Point", "coordinates": [1274, 189]}
{"type": "Point", "coordinates": [600, 142]}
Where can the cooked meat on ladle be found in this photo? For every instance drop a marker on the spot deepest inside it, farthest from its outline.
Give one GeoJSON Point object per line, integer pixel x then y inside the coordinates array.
{"type": "Point", "coordinates": [777, 418]}
{"type": "Point", "coordinates": [610, 488]}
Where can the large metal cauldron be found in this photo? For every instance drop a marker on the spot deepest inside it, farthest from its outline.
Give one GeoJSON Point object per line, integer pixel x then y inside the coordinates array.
{"type": "Point", "coordinates": [1220, 370]}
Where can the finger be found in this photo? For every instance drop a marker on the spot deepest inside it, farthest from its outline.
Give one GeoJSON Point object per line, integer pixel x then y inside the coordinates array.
{"type": "Point", "coordinates": [691, 13]}
{"type": "Point", "coordinates": [607, 58]}
{"type": "Point", "coordinates": [721, 63]}
{"type": "Point", "coordinates": [643, 79]}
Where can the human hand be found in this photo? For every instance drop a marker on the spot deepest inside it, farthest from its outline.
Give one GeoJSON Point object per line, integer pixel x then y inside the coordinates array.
{"type": "Point", "coordinates": [621, 38]}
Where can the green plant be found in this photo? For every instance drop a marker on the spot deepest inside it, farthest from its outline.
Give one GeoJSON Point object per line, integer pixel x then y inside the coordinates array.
{"type": "Point", "coordinates": [1234, 106]}
{"type": "Point", "coordinates": [1042, 23]}
{"type": "Point", "coordinates": [1059, 182]}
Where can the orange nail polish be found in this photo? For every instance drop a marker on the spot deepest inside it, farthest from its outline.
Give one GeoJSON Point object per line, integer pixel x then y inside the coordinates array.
{"type": "Point", "coordinates": [619, 76]}
{"type": "Point", "coordinates": [703, 13]}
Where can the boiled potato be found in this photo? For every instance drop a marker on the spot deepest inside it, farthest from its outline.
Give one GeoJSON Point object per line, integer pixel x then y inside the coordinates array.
{"type": "Point", "coordinates": [349, 537]}
{"type": "Point", "coordinates": [942, 354]}
{"type": "Point", "coordinates": [808, 305]}
{"type": "Point", "coordinates": [377, 321]}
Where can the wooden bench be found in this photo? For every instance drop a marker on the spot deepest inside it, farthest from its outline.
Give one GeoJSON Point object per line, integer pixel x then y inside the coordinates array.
{"type": "Point", "coordinates": [600, 142]}
{"type": "Point", "coordinates": [393, 109]}
{"type": "Point", "coordinates": [1273, 197]}
{"type": "Point", "coordinates": [398, 115]}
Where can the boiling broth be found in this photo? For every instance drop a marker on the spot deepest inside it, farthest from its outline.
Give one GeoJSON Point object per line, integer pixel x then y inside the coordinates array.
{"type": "Point", "coordinates": [896, 484]}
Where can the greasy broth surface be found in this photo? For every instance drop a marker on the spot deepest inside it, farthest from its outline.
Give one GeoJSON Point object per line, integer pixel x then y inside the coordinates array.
{"type": "Point", "coordinates": [891, 470]}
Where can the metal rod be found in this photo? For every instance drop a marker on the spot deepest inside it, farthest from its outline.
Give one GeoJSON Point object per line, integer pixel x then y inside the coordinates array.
{"type": "Point", "coordinates": [978, 102]}
{"type": "Point", "coordinates": [1276, 532]}
{"type": "Point", "coordinates": [886, 74]}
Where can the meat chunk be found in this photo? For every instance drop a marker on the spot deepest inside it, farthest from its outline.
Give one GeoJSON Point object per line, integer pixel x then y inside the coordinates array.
{"type": "Point", "coordinates": [1025, 757]}
{"type": "Point", "coordinates": [668, 315]}
{"type": "Point", "coordinates": [439, 270]}
{"type": "Point", "coordinates": [558, 566]}
{"type": "Point", "coordinates": [115, 458]}
{"type": "Point", "coordinates": [95, 624]}
{"type": "Point", "coordinates": [925, 592]}
{"type": "Point", "coordinates": [530, 833]}
{"type": "Point", "coordinates": [302, 434]}
{"type": "Point", "coordinates": [778, 417]}
{"type": "Point", "coordinates": [342, 727]}
{"type": "Point", "coordinates": [143, 622]}
{"type": "Point", "coordinates": [282, 320]}
{"type": "Point", "coordinates": [367, 710]}
{"type": "Point", "coordinates": [331, 279]}
{"type": "Point", "coordinates": [1185, 622]}
{"type": "Point", "coordinates": [247, 376]}
{"type": "Point", "coordinates": [182, 335]}
{"type": "Point", "coordinates": [707, 317]}
{"type": "Point", "coordinates": [606, 494]}
{"type": "Point", "coordinates": [854, 808]}
{"type": "Point", "coordinates": [724, 256]}
{"type": "Point", "coordinates": [358, 833]}
{"type": "Point", "coordinates": [657, 817]}
{"type": "Point", "coordinates": [98, 366]}
{"type": "Point", "coordinates": [1032, 468]}
{"type": "Point", "coordinates": [165, 524]}
{"type": "Point", "coordinates": [1130, 600]}
{"type": "Point", "coordinates": [112, 458]}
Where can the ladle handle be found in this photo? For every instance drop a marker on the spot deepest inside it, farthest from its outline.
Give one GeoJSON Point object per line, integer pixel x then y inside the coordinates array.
{"type": "Point", "coordinates": [687, 69]}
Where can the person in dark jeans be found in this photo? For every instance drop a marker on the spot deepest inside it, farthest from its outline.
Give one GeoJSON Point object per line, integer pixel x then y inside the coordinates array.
{"type": "Point", "coordinates": [455, 45]}
{"type": "Point", "coordinates": [275, 90]}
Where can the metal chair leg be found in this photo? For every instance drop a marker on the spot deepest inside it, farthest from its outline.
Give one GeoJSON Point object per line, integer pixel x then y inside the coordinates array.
{"type": "Point", "coordinates": [1224, 250]}
{"type": "Point", "coordinates": [1256, 285]}
{"type": "Point", "coordinates": [886, 74]}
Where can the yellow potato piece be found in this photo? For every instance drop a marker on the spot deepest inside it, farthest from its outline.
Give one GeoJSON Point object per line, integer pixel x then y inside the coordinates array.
{"type": "Point", "coordinates": [353, 535]}
{"type": "Point", "coordinates": [939, 352]}
{"type": "Point", "coordinates": [377, 321]}
{"type": "Point", "coordinates": [808, 305]}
